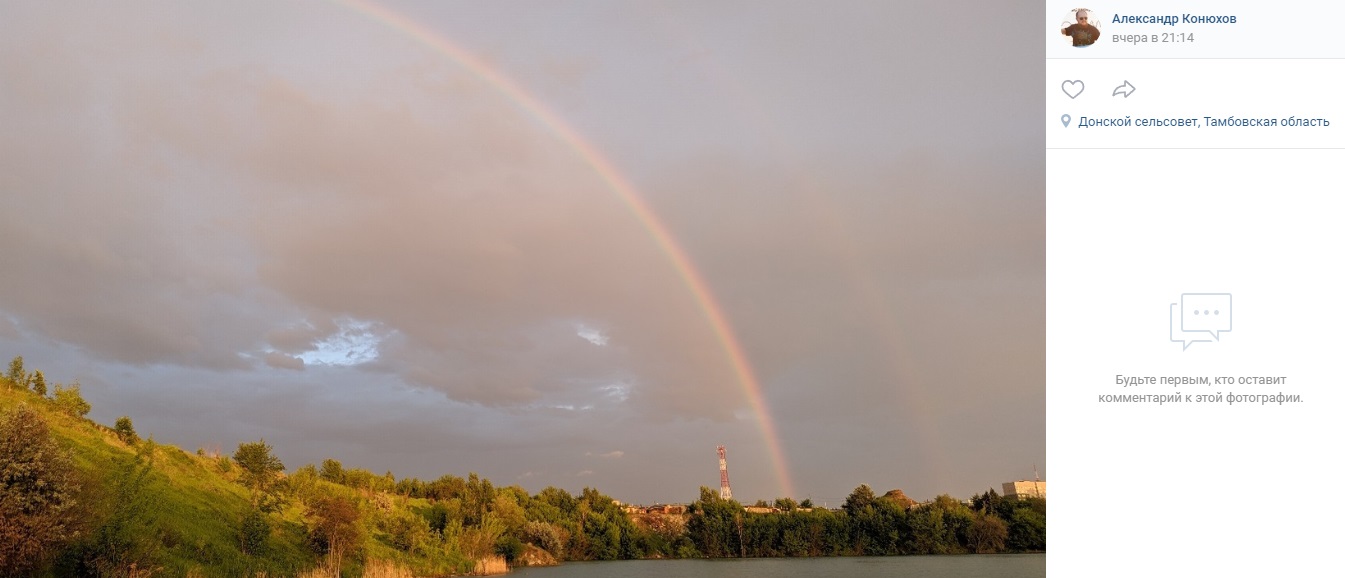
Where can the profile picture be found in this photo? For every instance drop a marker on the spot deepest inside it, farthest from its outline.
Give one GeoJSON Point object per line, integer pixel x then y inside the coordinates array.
{"type": "Point", "coordinates": [1079, 27]}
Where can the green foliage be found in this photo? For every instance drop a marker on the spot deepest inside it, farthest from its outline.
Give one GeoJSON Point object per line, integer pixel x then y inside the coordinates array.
{"type": "Point", "coordinates": [990, 501]}
{"type": "Point", "coordinates": [714, 527]}
{"type": "Point", "coordinates": [253, 533]}
{"type": "Point", "coordinates": [304, 486]}
{"type": "Point", "coordinates": [478, 541]}
{"type": "Point", "coordinates": [188, 526]}
{"type": "Point", "coordinates": [39, 384]}
{"type": "Point", "coordinates": [408, 532]}
{"type": "Point", "coordinates": [16, 376]}
{"type": "Point", "coordinates": [70, 401]}
{"type": "Point", "coordinates": [868, 525]}
{"type": "Point", "coordinates": [125, 532]}
{"type": "Point", "coordinates": [332, 471]}
{"type": "Point", "coordinates": [170, 513]}
{"type": "Point", "coordinates": [859, 499]}
{"type": "Point", "coordinates": [37, 487]}
{"type": "Point", "coordinates": [987, 534]}
{"type": "Point", "coordinates": [509, 547]}
{"type": "Point", "coordinates": [334, 529]}
{"type": "Point", "coordinates": [359, 479]}
{"type": "Point", "coordinates": [1027, 530]}
{"type": "Point", "coordinates": [126, 431]}
{"type": "Point", "coordinates": [260, 472]}
{"type": "Point", "coordinates": [545, 536]}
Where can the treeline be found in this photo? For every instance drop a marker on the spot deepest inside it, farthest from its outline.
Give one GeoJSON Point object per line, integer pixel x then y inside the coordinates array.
{"type": "Point", "coordinates": [81, 499]}
{"type": "Point", "coordinates": [869, 525]}
{"type": "Point", "coordinates": [488, 520]}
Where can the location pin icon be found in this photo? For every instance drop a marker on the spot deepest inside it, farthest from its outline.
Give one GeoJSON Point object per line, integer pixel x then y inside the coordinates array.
{"type": "Point", "coordinates": [1064, 119]}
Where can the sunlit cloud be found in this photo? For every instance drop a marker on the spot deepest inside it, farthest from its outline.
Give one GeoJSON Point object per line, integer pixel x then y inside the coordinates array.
{"type": "Point", "coordinates": [592, 335]}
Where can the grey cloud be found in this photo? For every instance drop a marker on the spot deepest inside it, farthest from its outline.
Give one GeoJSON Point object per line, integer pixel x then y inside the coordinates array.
{"type": "Point", "coordinates": [281, 361]}
{"type": "Point", "coordinates": [189, 217]}
{"type": "Point", "coordinates": [301, 337]}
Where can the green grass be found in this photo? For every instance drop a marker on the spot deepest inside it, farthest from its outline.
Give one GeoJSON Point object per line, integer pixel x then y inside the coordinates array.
{"type": "Point", "coordinates": [194, 507]}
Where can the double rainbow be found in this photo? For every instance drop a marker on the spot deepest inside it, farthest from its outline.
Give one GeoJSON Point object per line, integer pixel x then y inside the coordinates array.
{"type": "Point", "coordinates": [694, 281]}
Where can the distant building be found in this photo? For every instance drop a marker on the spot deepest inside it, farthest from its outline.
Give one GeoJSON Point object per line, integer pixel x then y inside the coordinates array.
{"type": "Point", "coordinates": [1025, 489]}
{"type": "Point", "coordinates": [666, 509]}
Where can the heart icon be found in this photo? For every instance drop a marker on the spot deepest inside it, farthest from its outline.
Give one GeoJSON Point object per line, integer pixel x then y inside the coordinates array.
{"type": "Point", "coordinates": [1072, 88]}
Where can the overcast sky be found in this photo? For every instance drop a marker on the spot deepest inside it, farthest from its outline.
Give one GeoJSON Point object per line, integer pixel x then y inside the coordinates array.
{"type": "Point", "coordinates": [296, 221]}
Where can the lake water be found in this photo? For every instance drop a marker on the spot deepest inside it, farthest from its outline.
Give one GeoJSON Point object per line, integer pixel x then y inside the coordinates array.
{"type": "Point", "coordinates": [972, 566]}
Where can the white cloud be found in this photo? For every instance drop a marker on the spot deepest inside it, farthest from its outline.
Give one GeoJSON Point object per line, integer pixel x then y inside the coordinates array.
{"type": "Point", "coordinates": [355, 342]}
{"type": "Point", "coordinates": [592, 335]}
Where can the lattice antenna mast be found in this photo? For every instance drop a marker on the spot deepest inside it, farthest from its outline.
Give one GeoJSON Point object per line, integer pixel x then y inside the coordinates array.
{"type": "Point", "coordinates": [1036, 481]}
{"type": "Point", "coordinates": [724, 491]}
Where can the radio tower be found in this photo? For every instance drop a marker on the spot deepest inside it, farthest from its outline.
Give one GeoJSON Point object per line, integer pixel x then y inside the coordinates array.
{"type": "Point", "coordinates": [724, 491]}
{"type": "Point", "coordinates": [1036, 481]}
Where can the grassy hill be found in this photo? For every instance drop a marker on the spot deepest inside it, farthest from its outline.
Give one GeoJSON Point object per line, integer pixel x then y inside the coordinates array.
{"type": "Point", "coordinates": [151, 509]}
{"type": "Point", "coordinates": [108, 504]}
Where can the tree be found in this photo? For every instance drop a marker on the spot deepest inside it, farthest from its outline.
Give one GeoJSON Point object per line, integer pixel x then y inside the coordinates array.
{"type": "Point", "coordinates": [859, 499]}
{"type": "Point", "coordinates": [16, 376]}
{"type": "Point", "coordinates": [1027, 531]}
{"type": "Point", "coordinates": [260, 471]}
{"type": "Point", "coordinates": [987, 534]}
{"type": "Point", "coordinates": [987, 502]}
{"type": "Point", "coordinates": [332, 471]}
{"type": "Point", "coordinates": [806, 503]}
{"type": "Point", "coordinates": [304, 484]}
{"type": "Point", "coordinates": [125, 431]}
{"type": "Point", "coordinates": [786, 504]}
{"type": "Point", "coordinates": [39, 384]}
{"type": "Point", "coordinates": [408, 531]}
{"type": "Point", "coordinates": [544, 536]}
{"type": "Point", "coordinates": [252, 534]}
{"type": "Point", "coordinates": [334, 529]}
{"type": "Point", "coordinates": [37, 488]}
{"type": "Point", "coordinates": [714, 525]}
{"type": "Point", "coordinates": [70, 401]}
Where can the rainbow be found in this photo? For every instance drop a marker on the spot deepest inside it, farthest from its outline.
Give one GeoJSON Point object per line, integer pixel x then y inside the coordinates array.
{"type": "Point", "coordinates": [699, 289]}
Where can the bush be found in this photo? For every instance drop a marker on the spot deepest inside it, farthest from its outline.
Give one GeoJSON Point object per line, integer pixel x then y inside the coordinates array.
{"type": "Point", "coordinates": [260, 473]}
{"type": "Point", "coordinates": [1027, 531]}
{"type": "Point", "coordinates": [509, 547]}
{"type": "Point", "coordinates": [987, 534]}
{"type": "Point", "coordinates": [39, 384]}
{"type": "Point", "coordinates": [409, 532]}
{"type": "Point", "coordinates": [125, 431]}
{"type": "Point", "coordinates": [37, 487]}
{"type": "Point", "coordinates": [544, 536]}
{"type": "Point", "coordinates": [253, 533]}
{"type": "Point", "coordinates": [70, 401]}
{"type": "Point", "coordinates": [334, 529]}
{"type": "Point", "coordinates": [125, 534]}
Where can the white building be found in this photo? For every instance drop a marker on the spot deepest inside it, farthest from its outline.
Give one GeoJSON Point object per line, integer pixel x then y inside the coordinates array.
{"type": "Point", "coordinates": [1025, 489]}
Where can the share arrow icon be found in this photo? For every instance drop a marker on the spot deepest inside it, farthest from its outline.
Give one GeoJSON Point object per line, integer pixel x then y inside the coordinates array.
{"type": "Point", "coordinates": [1124, 90]}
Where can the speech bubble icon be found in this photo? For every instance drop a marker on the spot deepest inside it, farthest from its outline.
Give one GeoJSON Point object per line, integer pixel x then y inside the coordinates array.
{"type": "Point", "coordinates": [1175, 332]}
{"type": "Point", "coordinates": [1207, 312]}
